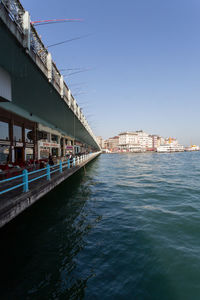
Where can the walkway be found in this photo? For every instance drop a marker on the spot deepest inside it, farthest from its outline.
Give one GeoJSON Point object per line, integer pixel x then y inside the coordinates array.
{"type": "Point", "coordinates": [15, 201]}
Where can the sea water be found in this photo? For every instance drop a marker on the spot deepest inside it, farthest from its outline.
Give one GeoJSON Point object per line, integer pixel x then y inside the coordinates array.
{"type": "Point", "coordinates": [126, 228]}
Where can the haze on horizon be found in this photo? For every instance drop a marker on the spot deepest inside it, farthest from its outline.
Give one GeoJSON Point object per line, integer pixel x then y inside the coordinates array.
{"type": "Point", "coordinates": [143, 59]}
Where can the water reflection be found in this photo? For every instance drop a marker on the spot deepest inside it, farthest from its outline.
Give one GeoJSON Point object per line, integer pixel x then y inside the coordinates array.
{"type": "Point", "coordinates": [45, 243]}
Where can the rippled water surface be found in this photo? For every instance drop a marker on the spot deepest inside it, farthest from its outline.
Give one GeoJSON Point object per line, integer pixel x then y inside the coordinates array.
{"type": "Point", "coordinates": [128, 228]}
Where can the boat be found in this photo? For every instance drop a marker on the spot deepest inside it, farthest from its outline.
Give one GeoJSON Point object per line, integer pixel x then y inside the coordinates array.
{"type": "Point", "coordinates": [192, 148]}
{"type": "Point", "coordinates": [168, 148]}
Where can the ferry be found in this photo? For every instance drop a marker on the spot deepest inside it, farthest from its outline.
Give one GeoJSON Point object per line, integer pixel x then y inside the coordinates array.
{"type": "Point", "coordinates": [168, 148]}
{"type": "Point", "coordinates": [192, 148]}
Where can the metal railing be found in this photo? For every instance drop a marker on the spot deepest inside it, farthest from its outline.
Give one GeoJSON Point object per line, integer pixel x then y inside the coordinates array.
{"type": "Point", "coordinates": [16, 12]}
{"type": "Point", "coordinates": [37, 46]}
{"type": "Point", "coordinates": [29, 177]}
{"type": "Point", "coordinates": [56, 74]}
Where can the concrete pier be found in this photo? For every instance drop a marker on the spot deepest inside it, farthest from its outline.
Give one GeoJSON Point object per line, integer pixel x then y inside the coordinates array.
{"type": "Point", "coordinates": [15, 202]}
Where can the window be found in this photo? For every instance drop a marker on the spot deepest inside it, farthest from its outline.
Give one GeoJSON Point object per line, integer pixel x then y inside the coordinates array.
{"type": "Point", "coordinates": [42, 135]}
{"type": "Point", "coordinates": [4, 154]}
{"type": "Point", "coordinates": [68, 142]}
{"type": "Point", "coordinates": [28, 136]}
{"type": "Point", "coordinates": [29, 153]}
{"type": "Point", "coordinates": [17, 133]}
{"type": "Point", "coordinates": [4, 131]}
{"type": "Point", "coordinates": [44, 152]}
{"type": "Point", "coordinates": [54, 138]}
{"type": "Point", "coordinates": [55, 151]}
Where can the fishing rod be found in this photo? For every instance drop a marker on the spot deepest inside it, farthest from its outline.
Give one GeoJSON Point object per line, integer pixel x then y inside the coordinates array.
{"type": "Point", "coordinates": [84, 104]}
{"type": "Point", "coordinates": [67, 41]}
{"type": "Point", "coordinates": [53, 21]}
{"type": "Point", "coordinates": [70, 69]}
{"type": "Point", "coordinates": [78, 84]}
{"type": "Point", "coordinates": [78, 72]}
{"type": "Point", "coordinates": [80, 93]}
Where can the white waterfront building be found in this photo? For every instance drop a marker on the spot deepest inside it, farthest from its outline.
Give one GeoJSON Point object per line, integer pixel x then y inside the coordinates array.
{"type": "Point", "coordinates": [129, 141]}
{"type": "Point", "coordinates": [145, 140]}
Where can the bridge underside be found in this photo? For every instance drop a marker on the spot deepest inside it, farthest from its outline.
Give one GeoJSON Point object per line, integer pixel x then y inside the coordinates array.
{"type": "Point", "coordinates": [33, 97]}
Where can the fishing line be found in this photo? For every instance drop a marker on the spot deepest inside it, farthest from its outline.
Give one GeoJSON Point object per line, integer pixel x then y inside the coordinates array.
{"type": "Point", "coordinates": [67, 41]}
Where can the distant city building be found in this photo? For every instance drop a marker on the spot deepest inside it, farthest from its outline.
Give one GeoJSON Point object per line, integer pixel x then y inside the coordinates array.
{"type": "Point", "coordinates": [156, 141]}
{"type": "Point", "coordinates": [128, 141]}
{"type": "Point", "coordinates": [144, 139]}
{"type": "Point", "coordinates": [140, 141]}
{"type": "Point", "coordinates": [160, 140]}
{"type": "Point", "coordinates": [100, 141]}
{"type": "Point", "coordinates": [112, 143]}
{"type": "Point", "coordinates": [171, 141]}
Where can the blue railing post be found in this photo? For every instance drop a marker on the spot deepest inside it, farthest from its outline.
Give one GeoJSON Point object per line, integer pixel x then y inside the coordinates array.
{"type": "Point", "coordinates": [25, 180]}
{"type": "Point", "coordinates": [48, 172]}
{"type": "Point", "coordinates": [74, 161]}
{"type": "Point", "coordinates": [60, 167]}
{"type": "Point", "coordinates": [68, 164]}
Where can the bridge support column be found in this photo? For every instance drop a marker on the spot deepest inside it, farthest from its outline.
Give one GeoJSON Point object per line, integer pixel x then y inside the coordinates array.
{"type": "Point", "coordinates": [49, 66]}
{"type": "Point", "coordinates": [64, 147]}
{"type": "Point", "coordinates": [59, 149]}
{"type": "Point", "coordinates": [69, 97]}
{"type": "Point", "coordinates": [61, 86]}
{"type": "Point", "coordinates": [27, 31]}
{"type": "Point", "coordinates": [74, 104]}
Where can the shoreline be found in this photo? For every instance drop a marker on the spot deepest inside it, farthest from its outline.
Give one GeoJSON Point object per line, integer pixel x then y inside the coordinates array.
{"type": "Point", "coordinates": [150, 152]}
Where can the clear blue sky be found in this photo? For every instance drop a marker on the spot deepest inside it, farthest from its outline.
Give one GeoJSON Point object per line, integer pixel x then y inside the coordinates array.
{"type": "Point", "coordinates": [145, 60]}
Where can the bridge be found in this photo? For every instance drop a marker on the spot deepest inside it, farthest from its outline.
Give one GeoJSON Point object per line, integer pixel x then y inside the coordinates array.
{"type": "Point", "coordinates": [31, 86]}
{"type": "Point", "coordinates": [40, 120]}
